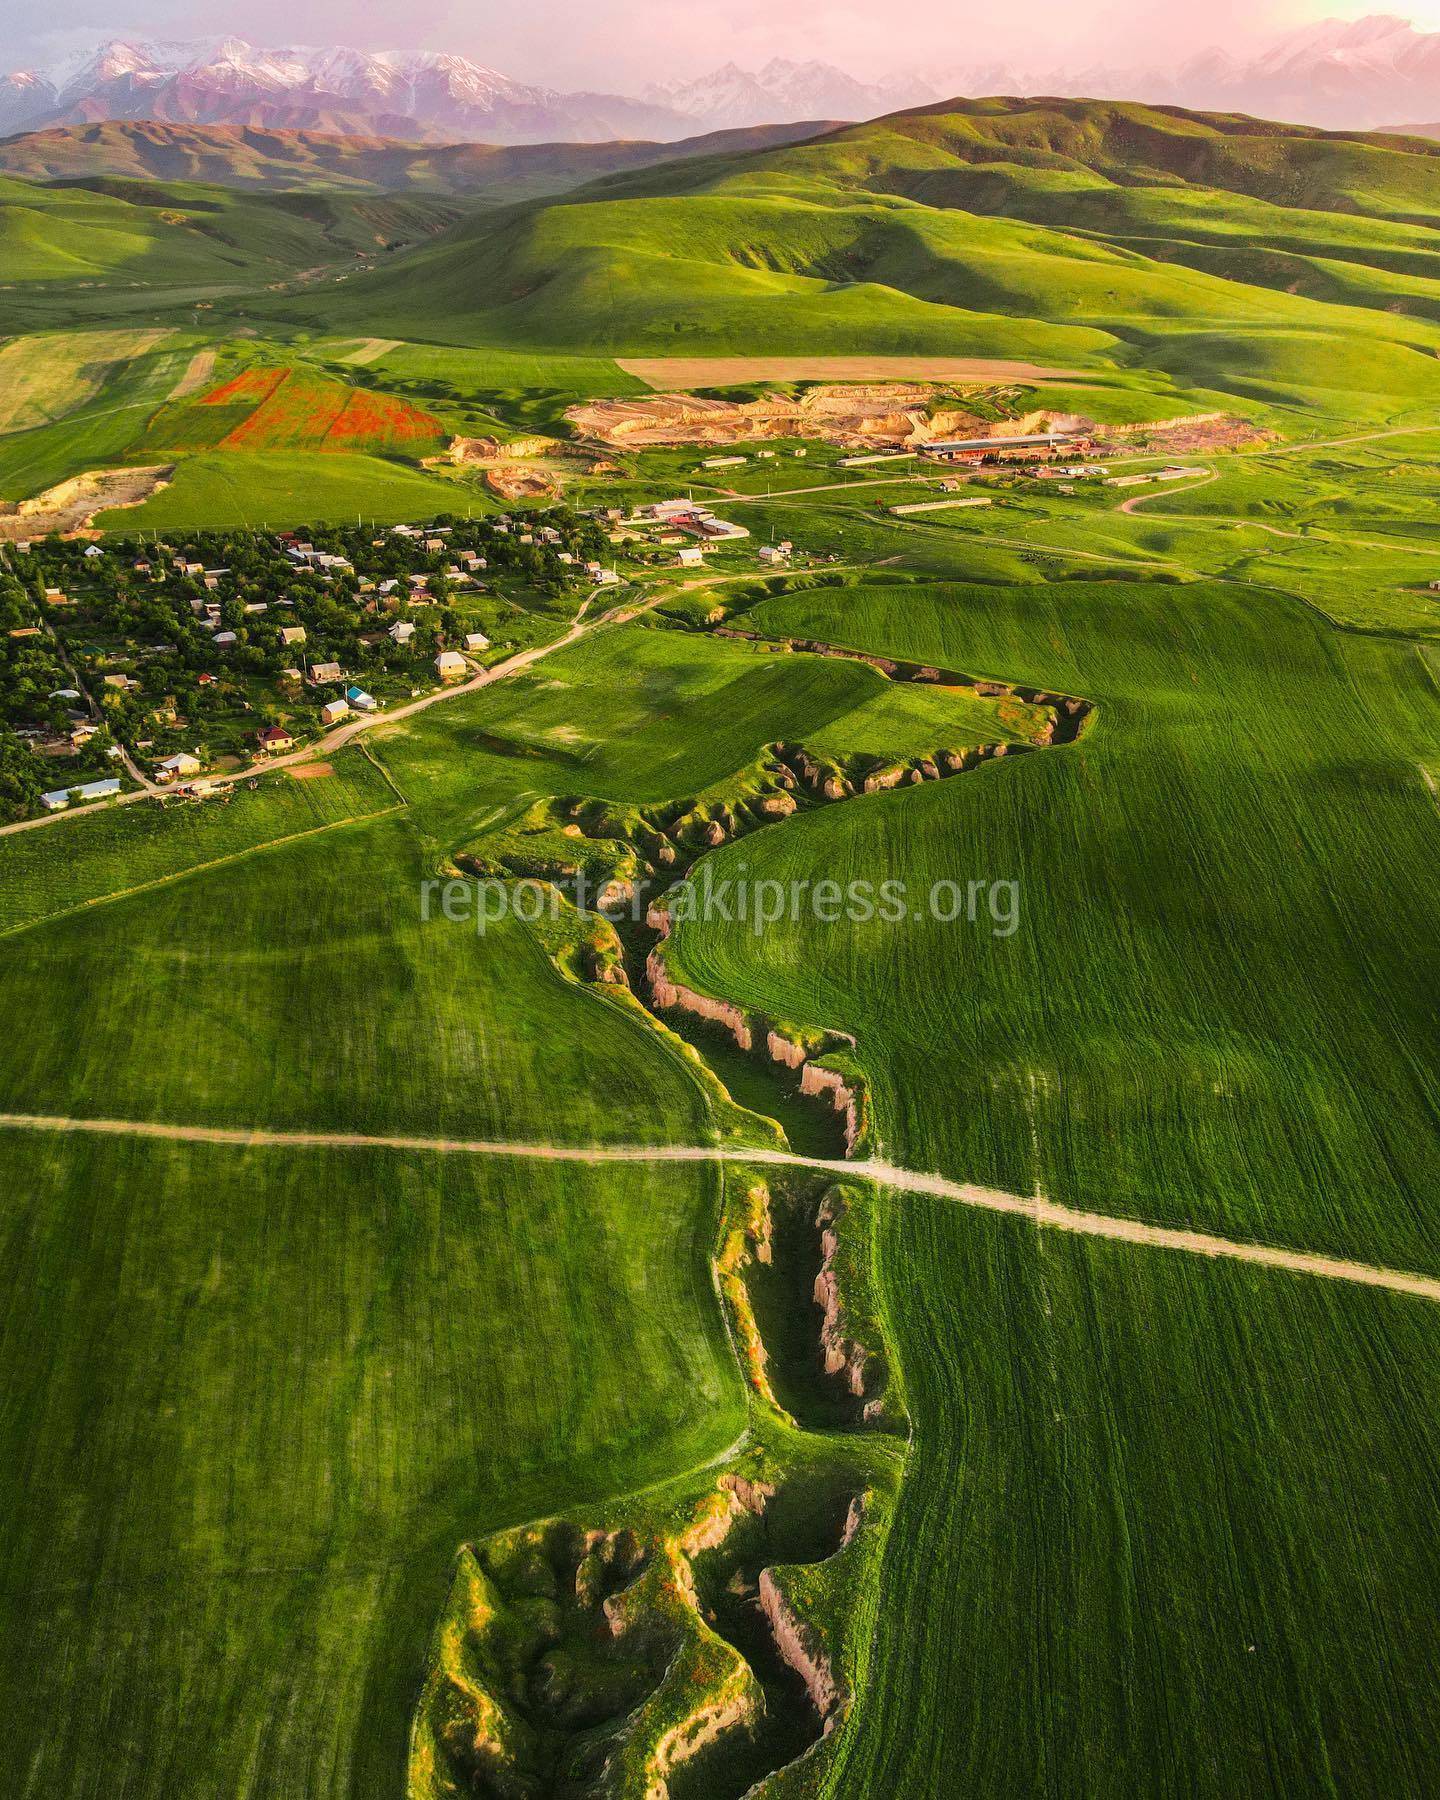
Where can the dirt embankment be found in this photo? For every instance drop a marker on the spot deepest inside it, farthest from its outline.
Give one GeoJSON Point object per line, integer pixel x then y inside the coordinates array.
{"type": "Point", "coordinates": [867, 415]}
{"type": "Point", "coordinates": [1193, 435]}
{"type": "Point", "coordinates": [533, 468]}
{"type": "Point", "coordinates": [805, 1657]}
{"type": "Point", "coordinates": [784, 778]}
{"type": "Point", "coordinates": [71, 505]}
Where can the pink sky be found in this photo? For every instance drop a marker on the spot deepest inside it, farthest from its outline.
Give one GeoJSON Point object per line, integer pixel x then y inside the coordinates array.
{"type": "Point", "coordinates": [608, 44]}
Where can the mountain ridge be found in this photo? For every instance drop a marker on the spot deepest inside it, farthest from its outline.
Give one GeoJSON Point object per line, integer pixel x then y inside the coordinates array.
{"type": "Point", "coordinates": [1340, 73]}
{"type": "Point", "coordinates": [257, 159]}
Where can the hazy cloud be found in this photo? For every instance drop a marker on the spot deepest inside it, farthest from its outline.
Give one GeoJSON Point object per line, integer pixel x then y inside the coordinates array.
{"type": "Point", "coordinates": [623, 43]}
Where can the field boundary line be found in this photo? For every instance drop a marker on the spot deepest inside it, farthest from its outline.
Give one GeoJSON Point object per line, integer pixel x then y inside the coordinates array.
{"type": "Point", "coordinates": [215, 862]}
{"type": "Point", "coordinates": [1045, 1214]}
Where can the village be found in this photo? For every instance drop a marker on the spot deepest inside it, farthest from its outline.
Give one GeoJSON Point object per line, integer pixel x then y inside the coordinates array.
{"type": "Point", "coordinates": [156, 663]}
{"type": "Point", "coordinates": [167, 665]}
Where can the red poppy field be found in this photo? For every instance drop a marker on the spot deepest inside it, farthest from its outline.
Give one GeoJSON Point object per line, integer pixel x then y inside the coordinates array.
{"type": "Point", "coordinates": [293, 409]}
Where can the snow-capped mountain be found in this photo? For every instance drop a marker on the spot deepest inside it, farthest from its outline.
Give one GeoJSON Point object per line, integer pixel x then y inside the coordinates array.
{"type": "Point", "coordinates": [784, 90]}
{"type": "Point", "coordinates": [1342, 73]}
{"type": "Point", "coordinates": [228, 81]}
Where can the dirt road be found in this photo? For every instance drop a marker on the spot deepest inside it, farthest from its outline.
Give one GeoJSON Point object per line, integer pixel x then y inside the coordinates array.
{"type": "Point", "coordinates": [1046, 1215]}
{"type": "Point", "coordinates": [667, 372]}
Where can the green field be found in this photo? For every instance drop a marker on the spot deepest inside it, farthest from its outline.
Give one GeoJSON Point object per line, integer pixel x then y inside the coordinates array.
{"type": "Point", "coordinates": [46, 873]}
{"type": "Point", "coordinates": [423, 1378]}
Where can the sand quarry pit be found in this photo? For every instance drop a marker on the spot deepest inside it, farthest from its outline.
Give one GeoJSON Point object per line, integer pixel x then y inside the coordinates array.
{"type": "Point", "coordinates": [855, 415]}
{"type": "Point", "coordinates": [667, 372]}
{"type": "Point", "coordinates": [533, 468]}
{"type": "Point", "coordinates": [72, 504]}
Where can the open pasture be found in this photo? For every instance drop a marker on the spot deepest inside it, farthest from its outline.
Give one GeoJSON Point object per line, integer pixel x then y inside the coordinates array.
{"type": "Point", "coordinates": [1176, 1028]}
{"type": "Point", "coordinates": [1163, 1526]}
{"type": "Point", "coordinates": [257, 1398]}
{"type": "Point", "coordinates": [80, 862]}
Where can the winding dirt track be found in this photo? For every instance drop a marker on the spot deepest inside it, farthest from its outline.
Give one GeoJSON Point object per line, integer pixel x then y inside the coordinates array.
{"type": "Point", "coordinates": [1045, 1214]}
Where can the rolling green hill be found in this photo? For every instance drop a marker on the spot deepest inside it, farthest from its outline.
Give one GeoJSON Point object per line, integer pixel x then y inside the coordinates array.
{"type": "Point", "coordinates": [1271, 263]}
{"type": "Point", "coordinates": [116, 231]}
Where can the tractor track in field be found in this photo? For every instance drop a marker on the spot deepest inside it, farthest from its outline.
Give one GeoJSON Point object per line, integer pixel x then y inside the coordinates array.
{"type": "Point", "coordinates": [1046, 1215]}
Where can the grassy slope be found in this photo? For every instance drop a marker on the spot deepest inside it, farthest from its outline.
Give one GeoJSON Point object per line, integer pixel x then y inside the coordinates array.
{"type": "Point", "coordinates": [1207, 1016]}
{"type": "Point", "coordinates": [45, 873]}
{"type": "Point", "coordinates": [229, 488]}
{"type": "Point", "coordinates": [1082, 233]}
{"type": "Point", "coordinates": [257, 1398]}
{"type": "Point", "coordinates": [1163, 1530]}
{"type": "Point", "coordinates": [176, 233]}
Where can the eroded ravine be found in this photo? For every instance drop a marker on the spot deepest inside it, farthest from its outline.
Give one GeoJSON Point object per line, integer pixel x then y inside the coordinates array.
{"type": "Point", "coordinates": [637, 861]}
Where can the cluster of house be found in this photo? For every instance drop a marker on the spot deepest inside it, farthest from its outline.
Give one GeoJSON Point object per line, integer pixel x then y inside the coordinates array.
{"type": "Point", "coordinates": [691, 517]}
{"type": "Point", "coordinates": [685, 517]}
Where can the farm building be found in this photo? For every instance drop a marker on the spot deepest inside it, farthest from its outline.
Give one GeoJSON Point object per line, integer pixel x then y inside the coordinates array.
{"type": "Point", "coordinates": [90, 790]}
{"type": "Point", "coordinates": [449, 664]}
{"type": "Point", "coordinates": [320, 673]}
{"type": "Point", "coordinates": [292, 634]}
{"type": "Point", "coordinates": [690, 556]}
{"type": "Point", "coordinates": [476, 640]}
{"type": "Point", "coordinates": [360, 700]}
{"type": "Point", "coordinates": [334, 710]}
{"type": "Point", "coordinates": [177, 767]}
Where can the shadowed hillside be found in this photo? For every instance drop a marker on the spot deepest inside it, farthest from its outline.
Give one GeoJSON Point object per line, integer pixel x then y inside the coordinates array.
{"type": "Point", "coordinates": [242, 156]}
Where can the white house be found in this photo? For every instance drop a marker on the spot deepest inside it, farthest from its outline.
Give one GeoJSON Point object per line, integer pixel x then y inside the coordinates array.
{"type": "Point", "coordinates": [90, 790]}
{"type": "Point", "coordinates": [476, 640]}
{"type": "Point", "coordinates": [402, 631]}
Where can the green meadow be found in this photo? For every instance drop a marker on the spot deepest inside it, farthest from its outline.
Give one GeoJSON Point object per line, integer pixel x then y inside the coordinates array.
{"type": "Point", "coordinates": [314, 1453]}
